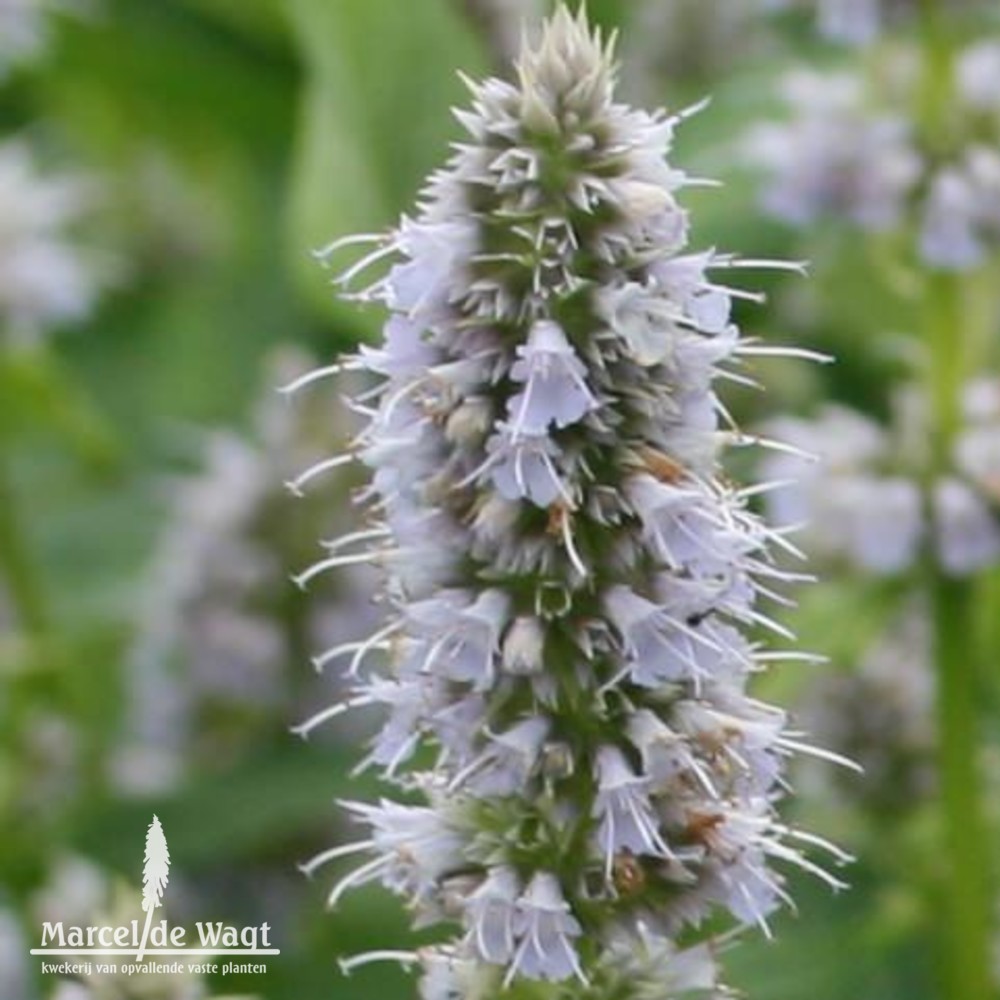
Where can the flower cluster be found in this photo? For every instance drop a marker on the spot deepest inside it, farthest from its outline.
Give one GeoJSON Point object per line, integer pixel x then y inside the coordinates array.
{"type": "Point", "coordinates": [881, 714]}
{"type": "Point", "coordinates": [217, 633]}
{"type": "Point", "coordinates": [852, 21]}
{"type": "Point", "coordinates": [44, 278]}
{"type": "Point", "coordinates": [572, 580]}
{"type": "Point", "coordinates": [857, 22]}
{"type": "Point", "coordinates": [849, 151]}
{"type": "Point", "coordinates": [22, 32]}
{"type": "Point", "coordinates": [834, 157]}
{"type": "Point", "coordinates": [864, 499]}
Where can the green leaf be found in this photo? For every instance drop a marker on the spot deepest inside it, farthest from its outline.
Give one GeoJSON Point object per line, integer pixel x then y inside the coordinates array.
{"type": "Point", "coordinates": [833, 950]}
{"type": "Point", "coordinates": [374, 121]}
{"type": "Point", "coordinates": [146, 73]}
{"type": "Point", "coordinates": [39, 394]}
{"type": "Point", "coordinates": [264, 802]}
{"type": "Point", "coordinates": [610, 15]}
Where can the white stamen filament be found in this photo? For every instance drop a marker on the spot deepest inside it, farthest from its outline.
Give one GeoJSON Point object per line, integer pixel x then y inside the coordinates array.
{"type": "Point", "coordinates": [327, 465]}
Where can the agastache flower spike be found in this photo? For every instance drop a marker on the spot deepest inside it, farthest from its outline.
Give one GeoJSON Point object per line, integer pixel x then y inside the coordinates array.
{"type": "Point", "coordinates": [569, 576]}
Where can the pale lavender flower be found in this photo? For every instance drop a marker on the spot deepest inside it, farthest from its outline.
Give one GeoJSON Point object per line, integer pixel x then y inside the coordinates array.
{"type": "Point", "coordinates": [977, 448]}
{"type": "Point", "coordinates": [834, 156]}
{"type": "Point", "coordinates": [859, 495]}
{"type": "Point", "coordinates": [883, 519]}
{"type": "Point", "coordinates": [568, 574]}
{"type": "Point", "coordinates": [853, 21]}
{"type": "Point", "coordinates": [545, 929]}
{"type": "Point", "coordinates": [447, 975]}
{"type": "Point", "coordinates": [846, 151]}
{"type": "Point", "coordinates": [414, 847]}
{"type": "Point", "coordinates": [967, 531]}
{"type": "Point", "coordinates": [508, 763]}
{"type": "Point", "coordinates": [623, 809]}
{"type": "Point", "coordinates": [857, 22]}
{"type": "Point", "coordinates": [46, 279]}
{"type": "Point", "coordinates": [491, 912]}
{"type": "Point", "coordinates": [654, 967]}
{"type": "Point", "coordinates": [978, 76]}
{"type": "Point", "coordinates": [524, 465]}
{"type": "Point", "coordinates": [660, 643]}
{"type": "Point", "coordinates": [466, 634]}
{"type": "Point", "coordinates": [555, 391]}
{"type": "Point", "coordinates": [665, 754]}
{"type": "Point", "coordinates": [647, 322]}
{"type": "Point", "coordinates": [961, 219]}
{"type": "Point", "coordinates": [948, 237]}
{"type": "Point", "coordinates": [23, 32]}
{"type": "Point", "coordinates": [838, 490]}
{"type": "Point", "coordinates": [750, 734]}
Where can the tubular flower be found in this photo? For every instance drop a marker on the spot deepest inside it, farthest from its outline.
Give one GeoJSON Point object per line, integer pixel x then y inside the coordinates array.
{"type": "Point", "coordinates": [571, 579]}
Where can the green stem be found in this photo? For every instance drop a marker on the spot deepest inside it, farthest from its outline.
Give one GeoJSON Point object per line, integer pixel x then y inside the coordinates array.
{"type": "Point", "coordinates": [947, 358]}
{"type": "Point", "coordinates": [937, 86]}
{"type": "Point", "coordinates": [16, 569]}
{"type": "Point", "coordinates": [965, 888]}
{"type": "Point", "coordinates": [965, 924]}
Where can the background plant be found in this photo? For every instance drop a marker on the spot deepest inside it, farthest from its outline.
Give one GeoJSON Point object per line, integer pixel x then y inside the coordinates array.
{"type": "Point", "coordinates": [224, 142]}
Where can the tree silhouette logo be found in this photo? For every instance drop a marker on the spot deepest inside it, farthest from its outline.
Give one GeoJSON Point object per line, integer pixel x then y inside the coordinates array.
{"type": "Point", "coordinates": [215, 937]}
{"type": "Point", "coordinates": [155, 874]}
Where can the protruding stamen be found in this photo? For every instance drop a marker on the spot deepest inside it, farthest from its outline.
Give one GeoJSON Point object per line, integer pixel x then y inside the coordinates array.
{"type": "Point", "coordinates": [319, 373]}
{"type": "Point", "coordinates": [302, 580]}
{"type": "Point", "coordinates": [294, 486]}
{"type": "Point", "coordinates": [406, 958]}
{"type": "Point", "coordinates": [305, 728]}
{"type": "Point", "coordinates": [308, 868]}
{"type": "Point", "coordinates": [347, 241]}
{"type": "Point", "coordinates": [356, 536]}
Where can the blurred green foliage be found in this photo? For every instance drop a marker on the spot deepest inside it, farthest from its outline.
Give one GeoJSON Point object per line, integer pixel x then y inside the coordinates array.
{"type": "Point", "coordinates": [232, 138]}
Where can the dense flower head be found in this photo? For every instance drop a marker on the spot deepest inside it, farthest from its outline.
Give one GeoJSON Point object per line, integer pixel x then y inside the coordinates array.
{"type": "Point", "coordinates": [571, 580]}
{"type": "Point", "coordinates": [855, 486]}
{"type": "Point", "coordinates": [849, 149]}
